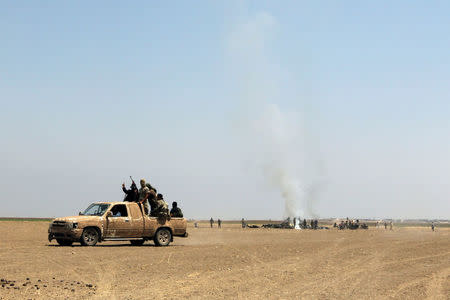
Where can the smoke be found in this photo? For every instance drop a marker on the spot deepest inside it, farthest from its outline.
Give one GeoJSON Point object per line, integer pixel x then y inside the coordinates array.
{"type": "Point", "coordinates": [281, 151]}
{"type": "Point", "coordinates": [276, 140]}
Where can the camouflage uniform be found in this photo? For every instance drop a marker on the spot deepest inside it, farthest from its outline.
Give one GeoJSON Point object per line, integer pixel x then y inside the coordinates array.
{"type": "Point", "coordinates": [161, 208]}
{"type": "Point", "coordinates": [152, 201]}
{"type": "Point", "coordinates": [143, 192]}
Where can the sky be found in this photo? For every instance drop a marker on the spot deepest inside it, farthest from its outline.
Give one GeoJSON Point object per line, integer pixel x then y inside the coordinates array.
{"type": "Point", "coordinates": [231, 108]}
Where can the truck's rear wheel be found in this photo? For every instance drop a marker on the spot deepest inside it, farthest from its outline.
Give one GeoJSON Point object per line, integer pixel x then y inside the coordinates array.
{"type": "Point", "coordinates": [62, 242]}
{"type": "Point", "coordinates": [163, 237]}
{"type": "Point", "coordinates": [89, 237]}
{"type": "Point", "coordinates": [137, 242]}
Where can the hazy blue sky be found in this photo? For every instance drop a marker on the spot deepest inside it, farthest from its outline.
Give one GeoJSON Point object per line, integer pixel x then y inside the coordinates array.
{"type": "Point", "coordinates": [179, 93]}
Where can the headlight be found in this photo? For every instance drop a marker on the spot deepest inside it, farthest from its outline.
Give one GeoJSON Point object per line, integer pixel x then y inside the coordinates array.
{"type": "Point", "coordinates": [75, 225]}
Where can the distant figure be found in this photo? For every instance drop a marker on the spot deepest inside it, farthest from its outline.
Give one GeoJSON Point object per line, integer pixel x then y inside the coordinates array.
{"type": "Point", "coordinates": [243, 223]}
{"type": "Point", "coordinates": [196, 225]}
{"type": "Point", "coordinates": [432, 226]}
{"type": "Point", "coordinates": [131, 195]}
{"type": "Point", "coordinates": [304, 223]}
{"type": "Point", "coordinates": [211, 222]}
{"type": "Point", "coordinates": [176, 211]}
{"type": "Point", "coordinates": [219, 223]}
{"type": "Point", "coordinates": [334, 225]}
{"type": "Point", "coordinates": [385, 225]}
{"type": "Point", "coordinates": [316, 224]}
{"type": "Point", "coordinates": [312, 224]}
{"type": "Point", "coordinates": [390, 225]}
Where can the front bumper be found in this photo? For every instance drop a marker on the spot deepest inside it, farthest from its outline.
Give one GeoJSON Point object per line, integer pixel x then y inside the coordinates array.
{"type": "Point", "coordinates": [64, 234]}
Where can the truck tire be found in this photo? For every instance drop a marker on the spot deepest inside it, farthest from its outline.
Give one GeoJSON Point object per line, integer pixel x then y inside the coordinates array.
{"type": "Point", "coordinates": [89, 237]}
{"type": "Point", "coordinates": [162, 237]}
{"type": "Point", "coordinates": [62, 242]}
{"type": "Point", "coordinates": [137, 242]}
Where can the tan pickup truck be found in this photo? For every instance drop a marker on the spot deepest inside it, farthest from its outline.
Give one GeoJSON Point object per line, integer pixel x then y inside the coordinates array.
{"type": "Point", "coordinates": [115, 221]}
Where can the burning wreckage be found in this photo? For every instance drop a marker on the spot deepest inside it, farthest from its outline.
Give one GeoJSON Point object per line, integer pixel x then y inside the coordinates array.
{"type": "Point", "coordinates": [287, 224]}
{"type": "Point", "coordinates": [313, 224]}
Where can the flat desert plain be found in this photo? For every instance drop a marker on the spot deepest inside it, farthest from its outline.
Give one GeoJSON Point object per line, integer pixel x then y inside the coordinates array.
{"type": "Point", "coordinates": [231, 262]}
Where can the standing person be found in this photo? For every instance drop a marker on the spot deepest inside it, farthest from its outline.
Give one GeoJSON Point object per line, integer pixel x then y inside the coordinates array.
{"type": "Point", "coordinates": [243, 223]}
{"type": "Point", "coordinates": [304, 223]}
{"type": "Point", "coordinates": [432, 226]}
{"type": "Point", "coordinates": [211, 222]}
{"type": "Point", "coordinates": [131, 195]}
{"type": "Point", "coordinates": [385, 225]}
{"type": "Point", "coordinates": [152, 200]}
{"type": "Point", "coordinates": [144, 193]}
{"type": "Point", "coordinates": [390, 225]}
{"type": "Point", "coordinates": [219, 223]}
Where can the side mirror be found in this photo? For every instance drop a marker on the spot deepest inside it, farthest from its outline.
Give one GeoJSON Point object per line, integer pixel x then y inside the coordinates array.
{"type": "Point", "coordinates": [79, 213]}
{"type": "Point", "coordinates": [109, 214]}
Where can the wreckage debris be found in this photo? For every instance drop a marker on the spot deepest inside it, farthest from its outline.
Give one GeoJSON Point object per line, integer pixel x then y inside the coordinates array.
{"type": "Point", "coordinates": [286, 224]}
{"type": "Point", "coordinates": [283, 225]}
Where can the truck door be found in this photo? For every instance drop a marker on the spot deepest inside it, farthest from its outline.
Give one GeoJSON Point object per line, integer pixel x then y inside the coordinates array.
{"type": "Point", "coordinates": [119, 225]}
{"type": "Point", "coordinates": [136, 219]}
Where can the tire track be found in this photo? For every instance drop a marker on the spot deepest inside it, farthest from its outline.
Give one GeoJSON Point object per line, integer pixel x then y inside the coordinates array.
{"type": "Point", "coordinates": [436, 286]}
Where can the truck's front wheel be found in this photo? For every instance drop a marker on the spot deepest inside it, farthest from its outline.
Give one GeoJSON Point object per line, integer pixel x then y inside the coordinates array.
{"type": "Point", "coordinates": [89, 237]}
{"type": "Point", "coordinates": [163, 237]}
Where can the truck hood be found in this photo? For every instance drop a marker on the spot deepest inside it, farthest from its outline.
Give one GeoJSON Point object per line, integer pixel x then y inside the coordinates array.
{"type": "Point", "coordinates": [75, 219]}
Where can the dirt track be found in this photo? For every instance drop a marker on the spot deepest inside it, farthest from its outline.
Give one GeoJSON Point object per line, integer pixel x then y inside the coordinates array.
{"type": "Point", "coordinates": [230, 262]}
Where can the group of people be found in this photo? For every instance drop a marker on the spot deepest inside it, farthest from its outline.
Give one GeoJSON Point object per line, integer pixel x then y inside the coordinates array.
{"type": "Point", "coordinates": [378, 223]}
{"type": "Point", "coordinates": [219, 223]}
{"type": "Point", "coordinates": [350, 224]}
{"type": "Point", "coordinates": [153, 203]}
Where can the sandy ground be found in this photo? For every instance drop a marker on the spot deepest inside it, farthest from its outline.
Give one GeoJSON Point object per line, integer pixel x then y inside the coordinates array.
{"type": "Point", "coordinates": [406, 263]}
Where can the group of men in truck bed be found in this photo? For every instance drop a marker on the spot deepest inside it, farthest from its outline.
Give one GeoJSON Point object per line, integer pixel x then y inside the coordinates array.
{"type": "Point", "coordinates": [154, 204]}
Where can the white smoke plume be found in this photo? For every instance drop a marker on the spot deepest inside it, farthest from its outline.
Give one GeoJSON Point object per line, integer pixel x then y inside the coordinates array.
{"type": "Point", "coordinates": [276, 140]}
{"type": "Point", "coordinates": [285, 162]}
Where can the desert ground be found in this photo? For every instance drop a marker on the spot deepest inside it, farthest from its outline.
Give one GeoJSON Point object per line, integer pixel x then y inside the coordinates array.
{"type": "Point", "coordinates": [231, 262]}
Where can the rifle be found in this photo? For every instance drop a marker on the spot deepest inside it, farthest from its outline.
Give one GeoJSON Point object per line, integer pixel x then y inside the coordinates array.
{"type": "Point", "coordinates": [131, 179]}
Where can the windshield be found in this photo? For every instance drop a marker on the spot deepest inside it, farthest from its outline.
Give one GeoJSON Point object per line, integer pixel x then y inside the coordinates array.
{"type": "Point", "coordinates": [95, 210]}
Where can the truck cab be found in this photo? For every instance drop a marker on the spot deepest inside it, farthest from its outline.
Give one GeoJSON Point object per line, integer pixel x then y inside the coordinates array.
{"type": "Point", "coordinates": [116, 221]}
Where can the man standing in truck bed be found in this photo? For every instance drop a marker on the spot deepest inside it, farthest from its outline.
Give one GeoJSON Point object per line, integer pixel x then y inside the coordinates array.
{"type": "Point", "coordinates": [144, 193]}
{"type": "Point", "coordinates": [132, 194]}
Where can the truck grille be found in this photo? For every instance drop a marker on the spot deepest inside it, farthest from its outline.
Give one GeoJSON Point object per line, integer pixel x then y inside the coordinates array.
{"type": "Point", "coordinates": [59, 224]}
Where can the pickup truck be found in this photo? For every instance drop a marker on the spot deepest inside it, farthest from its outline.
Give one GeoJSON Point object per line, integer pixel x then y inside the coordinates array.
{"type": "Point", "coordinates": [115, 221]}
